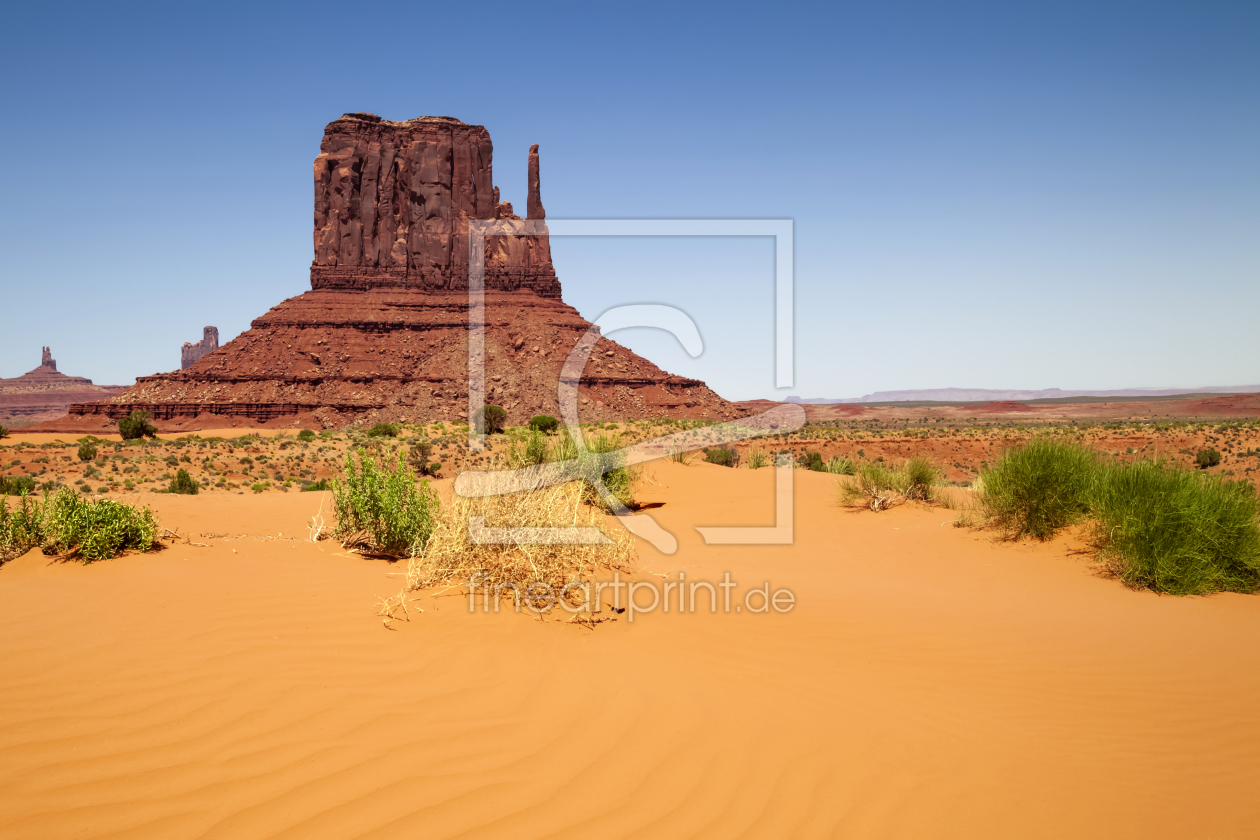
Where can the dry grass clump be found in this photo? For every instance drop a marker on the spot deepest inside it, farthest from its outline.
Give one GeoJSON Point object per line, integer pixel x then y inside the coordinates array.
{"type": "Point", "coordinates": [879, 486]}
{"type": "Point", "coordinates": [515, 561]}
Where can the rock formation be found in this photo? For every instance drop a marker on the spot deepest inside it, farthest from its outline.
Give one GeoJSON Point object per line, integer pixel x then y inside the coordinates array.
{"type": "Point", "coordinates": [191, 353]}
{"type": "Point", "coordinates": [383, 333]}
{"type": "Point", "coordinates": [45, 393]}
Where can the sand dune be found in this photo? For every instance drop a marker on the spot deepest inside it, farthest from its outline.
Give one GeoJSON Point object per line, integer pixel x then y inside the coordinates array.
{"type": "Point", "coordinates": [929, 683]}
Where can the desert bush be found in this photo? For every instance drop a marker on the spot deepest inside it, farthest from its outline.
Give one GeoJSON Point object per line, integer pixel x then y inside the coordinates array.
{"type": "Point", "coordinates": [507, 570]}
{"type": "Point", "coordinates": [1207, 458]}
{"type": "Point", "coordinates": [21, 528]}
{"type": "Point", "coordinates": [723, 456]}
{"type": "Point", "coordinates": [183, 484]}
{"type": "Point", "coordinates": [812, 461]}
{"type": "Point", "coordinates": [420, 458]}
{"type": "Point", "coordinates": [880, 486]}
{"type": "Point", "coordinates": [527, 451]}
{"type": "Point", "coordinates": [604, 458]}
{"type": "Point", "coordinates": [379, 508]}
{"type": "Point", "coordinates": [544, 423]}
{"type": "Point", "coordinates": [315, 486]}
{"type": "Point", "coordinates": [757, 459]}
{"type": "Point", "coordinates": [95, 530]}
{"type": "Point", "coordinates": [1177, 531]}
{"type": "Point", "coordinates": [489, 420]}
{"type": "Point", "coordinates": [678, 455]}
{"type": "Point", "coordinates": [1039, 488]}
{"type": "Point", "coordinates": [136, 426]}
{"type": "Point", "coordinates": [87, 450]}
{"type": "Point", "coordinates": [4, 433]}
{"type": "Point", "coordinates": [306, 435]}
{"type": "Point", "coordinates": [839, 466]}
{"type": "Point", "coordinates": [16, 485]}
{"type": "Point", "coordinates": [383, 430]}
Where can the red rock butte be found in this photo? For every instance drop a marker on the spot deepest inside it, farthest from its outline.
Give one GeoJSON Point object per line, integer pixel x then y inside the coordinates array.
{"type": "Point", "coordinates": [383, 333]}
{"type": "Point", "coordinates": [45, 393]}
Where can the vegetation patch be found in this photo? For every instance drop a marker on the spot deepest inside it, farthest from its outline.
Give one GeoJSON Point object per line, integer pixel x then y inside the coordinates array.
{"type": "Point", "coordinates": [380, 509]}
{"type": "Point", "coordinates": [1039, 488]}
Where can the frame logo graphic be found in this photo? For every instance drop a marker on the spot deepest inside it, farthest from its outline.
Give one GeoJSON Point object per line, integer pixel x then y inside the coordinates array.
{"type": "Point", "coordinates": [592, 466]}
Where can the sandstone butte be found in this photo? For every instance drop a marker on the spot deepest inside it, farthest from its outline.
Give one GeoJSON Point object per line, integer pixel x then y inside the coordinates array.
{"type": "Point", "coordinates": [46, 393]}
{"type": "Point", "coordinates": [383, 333]}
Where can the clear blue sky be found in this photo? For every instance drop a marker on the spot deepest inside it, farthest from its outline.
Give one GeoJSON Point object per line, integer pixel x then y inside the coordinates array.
{"type": "Point", "coordinates": [986, 194]}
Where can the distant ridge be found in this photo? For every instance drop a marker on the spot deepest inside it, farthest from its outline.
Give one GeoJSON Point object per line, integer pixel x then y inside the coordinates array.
{"type": "Point", "coordinates": [993, 395]}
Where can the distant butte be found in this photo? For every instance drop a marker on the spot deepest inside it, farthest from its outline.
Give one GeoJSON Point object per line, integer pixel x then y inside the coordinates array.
{"type": "Point", "coordinates": [45, 393]}
{"type": "Point", "coordinates": [383, 333]}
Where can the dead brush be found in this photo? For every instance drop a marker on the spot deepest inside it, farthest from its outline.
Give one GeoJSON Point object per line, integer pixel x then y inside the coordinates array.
{"type": "Point", "coordinates": [457, 555]}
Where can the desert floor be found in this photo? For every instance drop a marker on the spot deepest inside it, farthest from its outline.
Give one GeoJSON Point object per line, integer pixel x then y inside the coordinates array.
{"type": "Point", "coordinates": [929, 682]}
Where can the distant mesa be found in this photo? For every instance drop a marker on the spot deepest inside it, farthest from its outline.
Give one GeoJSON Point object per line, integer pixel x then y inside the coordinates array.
{"type": "Point", "coordinates": [45, 393]}
{"type": "Point", "coordinates": [192, 353]}
{"type": "Point", "coordinates": [383, 334]}
{"type": "Point", "coordinates": [981, 395]}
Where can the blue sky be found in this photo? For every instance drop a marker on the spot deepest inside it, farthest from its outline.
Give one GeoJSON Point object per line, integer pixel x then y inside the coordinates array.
{"type": "Point", "coordinates": [984, 194]}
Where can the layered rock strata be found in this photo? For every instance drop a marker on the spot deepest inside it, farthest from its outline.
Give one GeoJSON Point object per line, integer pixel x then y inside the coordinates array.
{"type": "Point", "coordinates": [383, 334]}
{"type": "Point", "coordinates": [45, 393]}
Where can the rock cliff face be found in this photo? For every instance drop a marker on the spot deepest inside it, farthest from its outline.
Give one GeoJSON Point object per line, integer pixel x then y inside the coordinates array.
{"type": "Point", "coordinates": [45, 393]}
{"type": "Point", "coordinates": [383, 334]}
{"type": "Point", "coordinates": [191, 353]}
{"type": "Point", "coordinates": [392, 204]}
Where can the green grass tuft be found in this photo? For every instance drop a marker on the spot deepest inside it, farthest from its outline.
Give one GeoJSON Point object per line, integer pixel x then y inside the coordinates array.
{"type": "Point", "coordinates": [1039, 488]}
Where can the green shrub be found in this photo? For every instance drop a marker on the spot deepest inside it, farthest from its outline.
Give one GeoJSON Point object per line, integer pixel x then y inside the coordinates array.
{"type": "Point", "coordinates": [383, 430]}
{"type": "Point", "coordinates": [881, 486]}
{"type": "Point", "coordinates": [839, 466]}
{"type": "Point", "coordinates": [757, 459]}
{"type": "Point", "coordinates": [1177, 531]}
{"type": "Point", "coordinates": [183, 484]}
{"type": "Point", "coordinates": [605, 458]}
{"type": "Point", "coordinates": [380, 509]}
{"type": "Point", "coordinates": [135, 426]}
{"type": "Point", "coordinates": [95, 530]}
{"type": "Point", "coordinates": [419, 458]}
{"type": "Point", "coordinates": [919, 476]}
{"type": "Point", "coordinates": [260, 486]}
{"type": "Point", "coordinates": [544, 423]}
{"type": "Point", "coordinates": [812, 461]}
{"type": "Point", "coordinates": [21, 529]}
{"type": "Point", "coordinates": [528, 451]}
{"type": "Point", "coordinates": [314, 486]}
{"type": "Point", "coordinates": [16, 485]}
{"type": "Point", "coordinates": [1039, 488]}
{"type": "Point", "coordinates": [1207, 458]}
{"type": "Point", "coordinates": [489, 420]}
{"type": "Point", "coordinates": [87, 450]}
{"type": "Point", "coordinates": [722, 456]}
{"type": "Point", "coordinates": [306, 435]}
{"type": "Point", "coordinates": [4, 433]}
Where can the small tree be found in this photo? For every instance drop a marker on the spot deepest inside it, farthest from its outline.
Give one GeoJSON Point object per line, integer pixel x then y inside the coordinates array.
{"type": "Point", "coordinates": [135, 426]}
{"type": "Point", "coordinates": [418, 458]}
{"type": "Point", "coordinates": [4, 433]}
{"type": "Point", "coordinates": [183, 484]}
{"type": "Point", "coordinates": [489, 420]}
{"type": "Point", "coordinates": [544, 423]}
{"type": "Point", "coordinates": [1207, 458]}
{"type": "Point", "coordinates": [87, 450]}
{"type": "Point", "coordinates": [383, 430]}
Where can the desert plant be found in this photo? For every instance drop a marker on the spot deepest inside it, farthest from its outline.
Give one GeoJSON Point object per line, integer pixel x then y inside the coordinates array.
{"type": "Point", "coordinates": [881, 486]}
{"type": "Point", "coordinates": [723, 456]}
{"type": "Point", "coordinates": [314, 486]}
{"type": "Point", "coordinates": [16, 485]}
{"type": "Point", "coordinates": [919, 477]}
{"type": "Point", "coordinates": [757, 459]}
{"type": "Point", "coordinates": [521, 568]}
{"type": "Point", "coordinates": [183, 484]}
{"type": "Point", "coordinates": [21, 529]}
{"type": "Point", "coordinates": [4, 433]}
{"type": "Point", "coordinates": [419, 457]}
{"type": "Point", "coordinates": [1207, 458]}
{"type": "Point", "coordinates": [812, 461]}
{"type": "Point", "coordinates": [135, 426]}
{"type": "Point", "coordinates": [678, 455]}
{"type": "Point", "coordinates": [87, 450]}
{"type": "Point", "coordinates": [489, 420]}
{"type": "Point", "coordinates": [95, 530]}
{"type": "Point", "coordinates": [544, 423]}
{"type": "Point", "coordinates": [604, 458]}
{"type": "Point", "coordinates": [838, 466]}
{"type": "Point", "coordinates": [1039, 488]}
{"type": "Point", "coordinates": [1177, 531]}
{"type": "Point", "coordinates": [383, 430]}
{"type": "Point", "coordinates": [379, 508]}
{"type": "Point", "coordinates": [527, 451]}
{"type": "Point", "coordinates": [306, 435]}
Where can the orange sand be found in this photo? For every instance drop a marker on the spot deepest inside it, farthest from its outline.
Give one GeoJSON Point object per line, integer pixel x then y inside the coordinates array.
{"type": "Point", "coordinates": [930, 683]}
